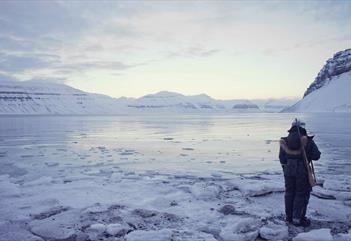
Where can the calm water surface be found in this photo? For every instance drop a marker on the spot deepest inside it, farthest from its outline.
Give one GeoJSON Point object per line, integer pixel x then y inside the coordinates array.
{"type": "Point", "coordinates": [202, 144]}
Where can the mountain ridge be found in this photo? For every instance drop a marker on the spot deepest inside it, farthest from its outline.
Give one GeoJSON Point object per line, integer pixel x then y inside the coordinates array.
{"type": "Point", "coordinates": [340, 63]}
{"type": "Point", "coordinates": [59, 99]}
{"type": "Point", "coordinates": [40, 98]}
{"type": "Point", "coordinates": [330, 91]}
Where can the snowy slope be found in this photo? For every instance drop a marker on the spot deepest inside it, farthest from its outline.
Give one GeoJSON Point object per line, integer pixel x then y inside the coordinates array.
{"type": "Point", "coordinates": [332, 97]}
{"type": "Point", "coordinates": [49, 98]}
{"type": "Point", "coordinates": [57, 99]}
{"type": "Point", "coordinates": [339, 64]}
{"type": "Point", "coordinates": [330, 91]}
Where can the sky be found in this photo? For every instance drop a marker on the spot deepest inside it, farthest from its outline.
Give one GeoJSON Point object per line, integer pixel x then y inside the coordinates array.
{"type": "Point", "coordinates": [226, 49]}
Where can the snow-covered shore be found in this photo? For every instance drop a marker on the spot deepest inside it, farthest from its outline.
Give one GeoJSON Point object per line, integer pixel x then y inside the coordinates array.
{"type": "Point", "coordinates": [104, 202]}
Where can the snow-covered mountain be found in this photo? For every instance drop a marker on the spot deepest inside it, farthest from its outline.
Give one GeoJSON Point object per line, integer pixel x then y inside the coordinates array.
{"type": "Point", "coordinates": [171, 101]}
{"type": "Point", "coordinates": [49, 98]}
{"type": "Point", "coordinates": [38, 98]}
{"type": "Point", "coordinates": [275, 104]}
{"type": "Point", "coordinates": [330, 91]}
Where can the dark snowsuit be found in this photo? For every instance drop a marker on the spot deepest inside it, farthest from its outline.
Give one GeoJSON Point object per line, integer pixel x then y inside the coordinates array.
{"type": "Point", "coordinates": [297, 187]}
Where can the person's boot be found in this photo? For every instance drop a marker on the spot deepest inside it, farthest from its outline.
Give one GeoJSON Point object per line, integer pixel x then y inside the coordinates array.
{"type": "Point", "coordinates": [303, 222]}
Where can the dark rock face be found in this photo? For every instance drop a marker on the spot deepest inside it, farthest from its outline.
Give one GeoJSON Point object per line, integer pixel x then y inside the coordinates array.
{"type": "Point", "coordinates": [339, 64]}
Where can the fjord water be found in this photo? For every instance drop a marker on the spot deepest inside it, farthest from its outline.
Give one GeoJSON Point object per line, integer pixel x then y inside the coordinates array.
{"type": "Point", "coordinates": [171, 144]}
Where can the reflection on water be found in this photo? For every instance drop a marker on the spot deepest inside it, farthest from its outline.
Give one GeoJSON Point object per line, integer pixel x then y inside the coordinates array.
{"type": "Point", "coordinates": [178, 143]}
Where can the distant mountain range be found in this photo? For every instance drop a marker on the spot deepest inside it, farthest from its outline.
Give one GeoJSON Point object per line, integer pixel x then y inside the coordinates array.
{"type": "Point", "coordinates": [331, 89]}
{"type": "Point", "coordinates": [329, 92]}
{"type": "Point", "coordinates": [40, 98]}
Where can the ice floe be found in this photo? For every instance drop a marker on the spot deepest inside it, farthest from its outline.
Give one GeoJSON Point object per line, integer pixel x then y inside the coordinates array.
{"type": "Point", "coordinates": [315, 235]}
{"type": "Point", "coordinates": [273, 232]}
{"type": "Point", "coordinates": [243, 229]}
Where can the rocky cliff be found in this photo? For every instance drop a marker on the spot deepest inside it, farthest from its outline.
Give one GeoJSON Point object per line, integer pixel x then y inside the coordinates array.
{"type": "Point", "coordinates": [339, 64]}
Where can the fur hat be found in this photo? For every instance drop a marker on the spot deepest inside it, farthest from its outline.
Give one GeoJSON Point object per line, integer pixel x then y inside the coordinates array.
{"type": "Point", "coordinates": [296, 125]}
{"type": "Point", "coordinates": [299, 123]}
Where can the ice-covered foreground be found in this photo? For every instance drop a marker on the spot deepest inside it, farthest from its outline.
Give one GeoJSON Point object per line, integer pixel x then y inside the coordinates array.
{"type": "Point", "coordinates": [164, 178]}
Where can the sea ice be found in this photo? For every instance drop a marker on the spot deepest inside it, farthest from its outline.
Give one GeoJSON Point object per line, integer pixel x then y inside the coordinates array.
{"type": "Point", "coordinates": [315, 235]}
{"type": "Point", "coordinates": [19, 235]}
{"type": "Point", "coordinates": [205, 191]}
{"type": "Point", "coordinates": [117, 229]}
{"type": "Point", "coordinates": [154, 235]}
{"type": "Point", "coordinates": [160, 196]}
{"type": "Point", "coordinates": [274, 232]}
{"type": "Point", "coordinates": [343, 236]}
{"type": "Point", "coordinates": [60, 226]}
{"type": "Point", "coordinates": [341, 183]}
{"type": "Point", "coordinates": [7, 188]}
{"type": "Point", "coordinates": [255, 188]}
{"type": "Point", "coordinates": [243, 229]}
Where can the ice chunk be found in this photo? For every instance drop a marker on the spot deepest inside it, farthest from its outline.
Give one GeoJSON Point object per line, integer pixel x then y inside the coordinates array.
{"type": "Point", "coordinates": [245, 229]}
{"type": "Point", "coordinates": [13, 232]}
{"type": "Point", "coordinates": [203, 191]}
{"type": "Point", "coordinates": [60, 226]}
{"type": "Point", "coordinates": [142, 235]}
{"type": "Point", "coordinates": [343, 236]}
{"type": "Point", "coordinates": [50, 230]}
{"type": "Point", "coordinates": [19, 235]}
{"type": "Point", "coordinates": [330, 194]}
{"type": "Point", "coordinates": [273, 232]}
{"type": "Point", "coordinates": [117, 229]}
{"type": "Point", "coordinates": [51, 212]}
{"type": "Point", "coordinates": [97, 227]}
{"type": "Point", "coordinates": [315, 235]}
{"type": "Point", "coordinates": [255, 188]}
{"type": "Point", "coordinates": [323, 193]}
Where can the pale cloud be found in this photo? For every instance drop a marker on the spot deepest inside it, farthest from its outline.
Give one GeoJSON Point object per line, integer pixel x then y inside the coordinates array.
{"type": "Point", "coordinates": [155, 45]}
{"type": "Point", "coordinates": [6, 77]}
{"type": "Point", "coordinates": [19, 63]}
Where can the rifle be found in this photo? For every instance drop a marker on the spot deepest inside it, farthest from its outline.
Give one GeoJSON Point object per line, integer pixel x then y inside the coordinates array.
{"type": "Point", "coordinates": [309, 166]}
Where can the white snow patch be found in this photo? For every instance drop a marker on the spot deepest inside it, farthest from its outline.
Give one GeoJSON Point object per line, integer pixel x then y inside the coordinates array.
{"type": "Point", "coordinates": [154, 235]}
{"type": "Point", "coordinates": [204, 191]}
{"type": "Point", "coordinates": [244, 229]}
{"type": "Point", "coordinates": [115, 228]}
{"type": "Point", "coordinates": [274, 232]}
{"type": "Point", "coordinates": [98, 227]}
{"type": "Point", "coordinates": [315, 235]}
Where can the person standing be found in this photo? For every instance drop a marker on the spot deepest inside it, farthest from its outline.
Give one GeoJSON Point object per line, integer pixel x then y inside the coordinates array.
{"type": "Point", "coordinates": [297, 186]}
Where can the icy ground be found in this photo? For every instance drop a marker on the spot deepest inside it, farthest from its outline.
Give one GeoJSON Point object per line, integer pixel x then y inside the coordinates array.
{"type": "Point", "coordinates": [175, 178]}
